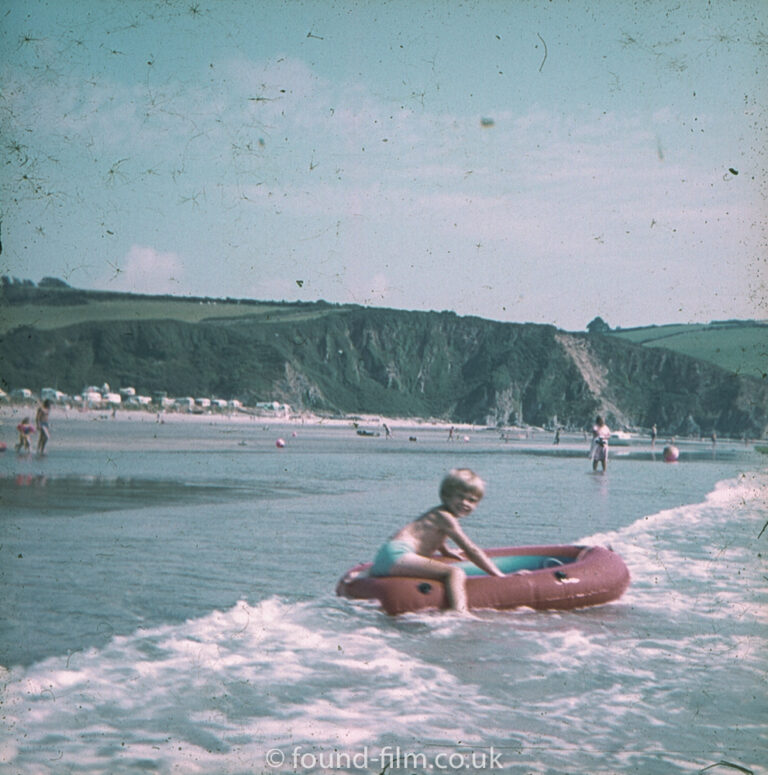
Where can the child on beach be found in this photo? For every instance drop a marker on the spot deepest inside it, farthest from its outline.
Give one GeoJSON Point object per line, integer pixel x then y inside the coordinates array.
{"type": "Point", "coordinates": [409, 552]}
{"type": "Point", "coordinates": [25, 431]}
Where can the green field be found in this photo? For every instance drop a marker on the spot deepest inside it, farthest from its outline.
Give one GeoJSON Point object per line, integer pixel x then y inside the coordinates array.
{"type": "Point", "coordinates": [47, 317]}
{"type": "Point", "coordinates": [738, 346]}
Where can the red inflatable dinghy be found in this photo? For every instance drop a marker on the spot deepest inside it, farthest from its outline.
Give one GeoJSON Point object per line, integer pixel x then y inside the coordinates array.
{"type": "Point", "coordinates": [541, 577]}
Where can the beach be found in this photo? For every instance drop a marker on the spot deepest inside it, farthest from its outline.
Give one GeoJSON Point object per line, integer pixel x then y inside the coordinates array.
{"type": "Point", "coordinates": [168, 600]}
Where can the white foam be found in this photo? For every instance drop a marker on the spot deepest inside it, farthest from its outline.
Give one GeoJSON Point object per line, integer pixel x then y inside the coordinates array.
{"type": "Point", "coordinates": [695, 552]}
{"type": "Point", "coordinates": [247, 679]}
{"type": "Point", "coordinates": [748, 493]}
{"type": "Point", "coordinates": [213, 694]}
{"type": "Point", "coordinates": [570, 648]}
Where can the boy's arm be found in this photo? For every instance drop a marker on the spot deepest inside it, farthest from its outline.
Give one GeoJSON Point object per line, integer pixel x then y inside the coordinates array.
{"type": "Point", "coordinates": [446, 551]}
{"type": "Point", "coordinates": [453, 530]}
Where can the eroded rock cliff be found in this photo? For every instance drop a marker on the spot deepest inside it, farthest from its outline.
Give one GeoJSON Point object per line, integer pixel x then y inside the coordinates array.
{"type": "Point", "coordinates": [397, 363]}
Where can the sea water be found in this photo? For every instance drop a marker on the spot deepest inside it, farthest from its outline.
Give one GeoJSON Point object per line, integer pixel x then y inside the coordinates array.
{"type": "Point", "coordinates": [167, 606]}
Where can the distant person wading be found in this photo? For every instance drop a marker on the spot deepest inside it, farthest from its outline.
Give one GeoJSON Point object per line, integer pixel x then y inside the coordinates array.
{"type": "Point", "coordinates": [599, 448]}
{"type": "Point", "coordinates": [41, 421]}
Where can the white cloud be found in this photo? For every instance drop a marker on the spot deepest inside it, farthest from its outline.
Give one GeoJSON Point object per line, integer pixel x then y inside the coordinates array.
{"type": "Point", "coordinates": [326, 180]}
{"type": "Point", "coordinates": [146, 270]}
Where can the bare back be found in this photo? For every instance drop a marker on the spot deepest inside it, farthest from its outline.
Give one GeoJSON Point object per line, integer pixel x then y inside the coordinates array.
{"type": "Point", "coordinates": [427, 534]}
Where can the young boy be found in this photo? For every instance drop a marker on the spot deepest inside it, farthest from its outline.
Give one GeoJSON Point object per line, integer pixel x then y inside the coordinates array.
{"type": "Point", "coordinates": [410, 551]}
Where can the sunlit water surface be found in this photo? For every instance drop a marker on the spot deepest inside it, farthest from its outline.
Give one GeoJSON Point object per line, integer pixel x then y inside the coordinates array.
{"type": "Point", "coordinates": [168, 606]}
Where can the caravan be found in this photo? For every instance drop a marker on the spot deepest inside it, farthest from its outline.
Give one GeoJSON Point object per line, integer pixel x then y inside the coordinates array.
{"type": "Point", "coordinates": [53, 395]}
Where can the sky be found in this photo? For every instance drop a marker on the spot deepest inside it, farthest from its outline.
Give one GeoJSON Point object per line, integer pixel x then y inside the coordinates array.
{"type": "Point", "coordinates": [535, 161]}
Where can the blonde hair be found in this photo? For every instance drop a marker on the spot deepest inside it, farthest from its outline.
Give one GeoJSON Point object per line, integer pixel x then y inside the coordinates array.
{"type": "Point", "coordinates": [461, 480]}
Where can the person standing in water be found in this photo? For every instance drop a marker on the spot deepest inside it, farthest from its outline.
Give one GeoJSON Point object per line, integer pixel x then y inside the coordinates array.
{"type": "Point", "coordinates": [41, 421]}
{"type": "Point", "coordinates": [599, 448]}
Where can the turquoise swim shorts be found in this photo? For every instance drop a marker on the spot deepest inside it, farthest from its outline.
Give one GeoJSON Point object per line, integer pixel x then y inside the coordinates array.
{"type": "Point", "coordinates": [387, 555]}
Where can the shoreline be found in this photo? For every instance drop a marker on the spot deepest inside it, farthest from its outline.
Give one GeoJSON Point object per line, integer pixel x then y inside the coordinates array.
{"type": "Point", "coordinates": [107, 427]}
{"type": "Point", "coordinates": [14, 413]}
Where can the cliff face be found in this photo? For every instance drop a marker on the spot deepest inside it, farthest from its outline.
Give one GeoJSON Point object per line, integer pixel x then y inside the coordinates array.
{"type": "Point", "coordinates": [397, 363]}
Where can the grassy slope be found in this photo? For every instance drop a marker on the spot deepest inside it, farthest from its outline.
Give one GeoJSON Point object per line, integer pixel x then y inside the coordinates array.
{"type": "Point", "coordinates": [738, 346]}
{"type": "Point", "coordinates": [741, 347]}
{"type": "Point", "coordinates": [47, 317]}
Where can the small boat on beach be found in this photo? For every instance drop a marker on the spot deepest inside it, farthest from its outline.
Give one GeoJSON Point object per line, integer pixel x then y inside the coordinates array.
{"type": "Point", "coordinates": [540, 577]}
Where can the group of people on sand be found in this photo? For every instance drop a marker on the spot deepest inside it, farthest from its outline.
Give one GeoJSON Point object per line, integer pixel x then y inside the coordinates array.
{"type": "Point", "coordinates": [25, 430]}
